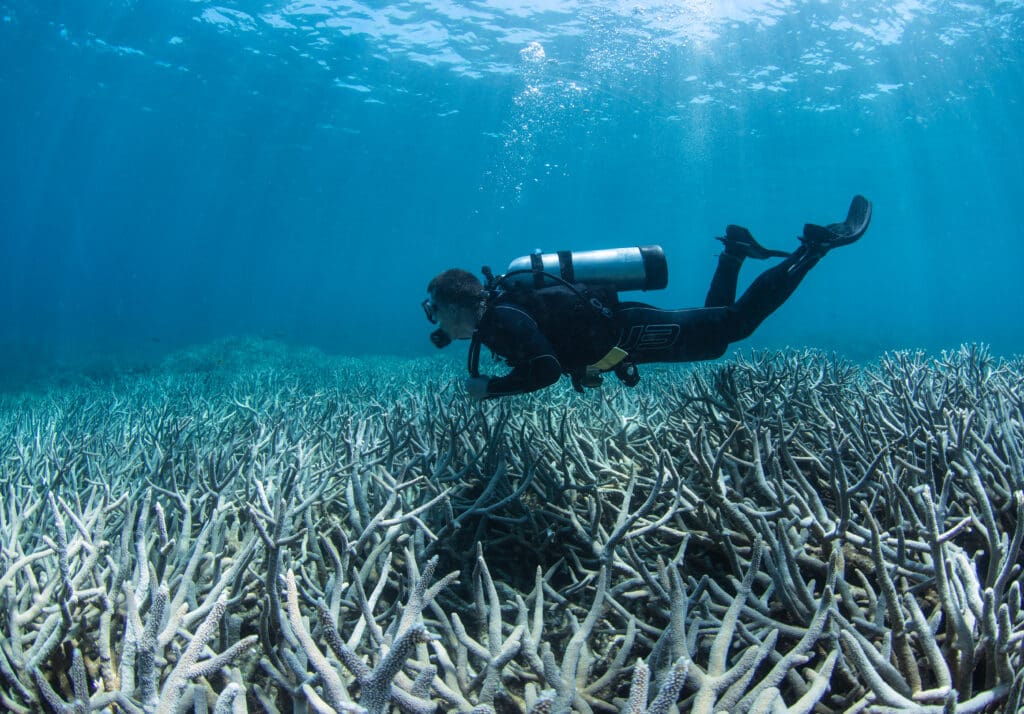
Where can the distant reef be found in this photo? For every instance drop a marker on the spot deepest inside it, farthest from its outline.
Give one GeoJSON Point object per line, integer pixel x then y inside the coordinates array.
{"type": "Point", "coordinates": [258, 528]}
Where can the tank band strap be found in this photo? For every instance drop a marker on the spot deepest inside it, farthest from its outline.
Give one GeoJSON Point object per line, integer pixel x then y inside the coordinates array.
{"type": "Point", "coordinates": [537, 265]}
{"type": "Point", "coordinates": [565, 266]}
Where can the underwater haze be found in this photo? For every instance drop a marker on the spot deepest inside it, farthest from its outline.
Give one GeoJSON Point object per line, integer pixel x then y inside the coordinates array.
{"type": "Point", "coordinates": [176, 173]}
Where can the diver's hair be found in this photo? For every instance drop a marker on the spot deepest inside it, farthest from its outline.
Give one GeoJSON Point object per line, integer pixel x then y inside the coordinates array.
{"type": "Point", "coordinates": [456, 287]}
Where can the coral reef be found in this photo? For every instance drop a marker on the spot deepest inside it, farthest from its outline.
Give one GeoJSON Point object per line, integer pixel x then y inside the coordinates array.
{"type": "Point", "coordinates": [292, 533]}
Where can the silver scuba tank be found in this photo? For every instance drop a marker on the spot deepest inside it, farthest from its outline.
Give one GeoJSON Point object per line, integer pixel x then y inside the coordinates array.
{"type": "Point", "coordinates": [637, 268]}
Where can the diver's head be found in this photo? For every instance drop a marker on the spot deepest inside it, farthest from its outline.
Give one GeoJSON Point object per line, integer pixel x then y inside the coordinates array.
{"type": "Point", "coordinates": [453, 305]}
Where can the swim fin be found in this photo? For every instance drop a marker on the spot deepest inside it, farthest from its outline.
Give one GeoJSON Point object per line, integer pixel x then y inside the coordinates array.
{"type": "Point", "coordinates": [838, 234]}
{"type": "Point", "coordinates": [740, 243]}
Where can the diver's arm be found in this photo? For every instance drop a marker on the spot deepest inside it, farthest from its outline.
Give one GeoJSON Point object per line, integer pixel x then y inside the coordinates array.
{"type": "Point", "coordinates": [516, 336]}
{"type": "Point", "coordinates": [541, 371]}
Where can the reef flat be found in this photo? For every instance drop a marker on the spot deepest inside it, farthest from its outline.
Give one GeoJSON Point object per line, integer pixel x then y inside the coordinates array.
{"type": "Point", "coordinates": [255, 528]}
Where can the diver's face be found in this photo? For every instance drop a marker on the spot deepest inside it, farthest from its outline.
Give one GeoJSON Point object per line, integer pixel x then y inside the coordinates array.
{"type": "Point", "coordinates": [457, 322]}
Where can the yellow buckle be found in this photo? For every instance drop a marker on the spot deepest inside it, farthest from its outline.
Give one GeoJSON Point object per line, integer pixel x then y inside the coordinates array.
{"type": "Point", "coordinates": [608, 362]}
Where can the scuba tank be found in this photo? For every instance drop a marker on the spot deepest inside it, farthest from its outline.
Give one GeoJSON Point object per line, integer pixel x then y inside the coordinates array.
{"type": "Point", "coordinates": [636, 268]}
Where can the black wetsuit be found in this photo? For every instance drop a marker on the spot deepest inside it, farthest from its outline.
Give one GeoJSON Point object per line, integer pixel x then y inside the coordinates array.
{"type": "Point", "coordinates": [542, 338]}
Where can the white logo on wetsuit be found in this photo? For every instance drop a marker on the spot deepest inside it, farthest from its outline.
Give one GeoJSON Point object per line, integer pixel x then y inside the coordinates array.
{"type": "Point", "coordinates": [649, 337]}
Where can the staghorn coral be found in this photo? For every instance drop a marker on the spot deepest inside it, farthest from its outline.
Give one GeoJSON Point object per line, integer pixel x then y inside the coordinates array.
{"type": "Point", "coordinates": [260, 529]}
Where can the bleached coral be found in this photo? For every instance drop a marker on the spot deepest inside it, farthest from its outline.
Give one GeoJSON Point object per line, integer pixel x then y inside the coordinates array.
{"type": "Point", "coordinates": [784, 532]}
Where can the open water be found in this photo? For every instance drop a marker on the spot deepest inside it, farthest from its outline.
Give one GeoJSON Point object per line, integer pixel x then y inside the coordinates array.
{"type": "Point", "coordinates": [178, 172]}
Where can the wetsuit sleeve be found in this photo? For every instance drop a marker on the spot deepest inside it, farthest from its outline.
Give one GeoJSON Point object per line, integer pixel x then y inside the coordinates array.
{"type": "Point", "coordinates": [515, 336]}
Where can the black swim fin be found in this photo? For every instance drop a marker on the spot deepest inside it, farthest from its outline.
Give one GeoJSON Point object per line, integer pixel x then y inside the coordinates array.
{"type": "Point", "coordinates": [740, 242]}
{"type": "Point", "coordinates": [825, 238]}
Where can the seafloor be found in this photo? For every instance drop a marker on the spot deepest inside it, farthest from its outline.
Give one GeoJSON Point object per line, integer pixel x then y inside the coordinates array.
{"type": "Point", "coordinates": [257, 528]}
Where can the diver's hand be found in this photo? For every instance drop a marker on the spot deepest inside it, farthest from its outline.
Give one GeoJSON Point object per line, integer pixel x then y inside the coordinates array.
{"type": "Point", "coordinates": [476, 387]}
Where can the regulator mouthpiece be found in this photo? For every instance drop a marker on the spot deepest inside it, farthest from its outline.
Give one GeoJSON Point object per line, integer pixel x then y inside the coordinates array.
{"type": "Point", "coordinates": [440, 338]}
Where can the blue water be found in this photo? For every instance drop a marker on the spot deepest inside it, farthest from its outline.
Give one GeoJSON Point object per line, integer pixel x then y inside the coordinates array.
{"type": "Point", "coordinates": [176, 172]}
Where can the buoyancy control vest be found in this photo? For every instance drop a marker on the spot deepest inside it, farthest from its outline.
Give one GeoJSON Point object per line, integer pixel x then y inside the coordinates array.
{"type": "Point", "coordinates": [576, 316]}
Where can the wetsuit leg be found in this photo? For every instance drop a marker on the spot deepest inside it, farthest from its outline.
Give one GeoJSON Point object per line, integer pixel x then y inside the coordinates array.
{"type": "Point", "coordinates": [772, 288]}
{"type": "Point", "coordinates": [650, 334]}
{"type": "Point", "coordinates": [723, 283]}
{"type": "Point", "coordinates": [653, 335]}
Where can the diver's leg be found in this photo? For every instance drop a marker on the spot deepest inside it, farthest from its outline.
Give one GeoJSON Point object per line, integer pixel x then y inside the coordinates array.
{"type": "Point", "coordinates": [723, 283]}
{"type": "Point", "coordinates": [649, 334]}
{"type": "Point", "coordinates": [739, 244]}
{"type": "Point", "coordinates": [652, 335]}
{"type": "Point", "coordinates": [770, 289]}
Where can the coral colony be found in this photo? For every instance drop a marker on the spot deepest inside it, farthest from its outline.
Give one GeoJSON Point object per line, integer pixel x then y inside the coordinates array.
{"type": "Point", "coordinates": [267, 530]}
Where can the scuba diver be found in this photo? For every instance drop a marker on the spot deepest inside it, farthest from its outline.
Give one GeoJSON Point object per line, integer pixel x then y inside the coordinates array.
{"type": "Point", "coordinates": [559, 313]}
